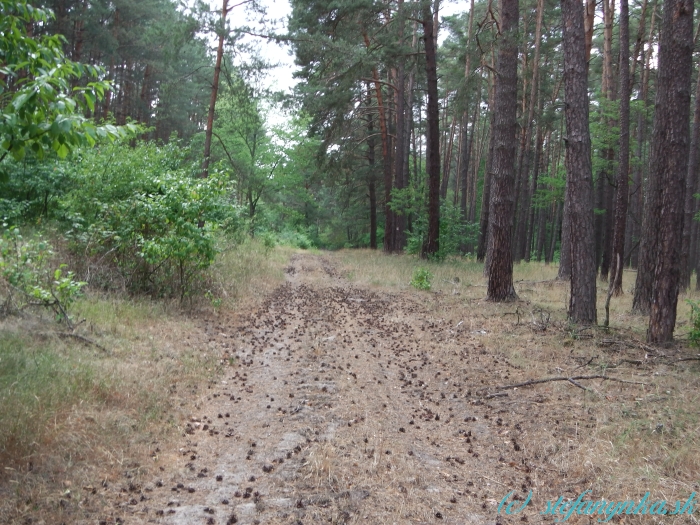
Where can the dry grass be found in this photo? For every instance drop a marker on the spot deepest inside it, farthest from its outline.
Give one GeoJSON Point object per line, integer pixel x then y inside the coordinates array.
{"type": "Point", "coordinates": [75, 419]}
{"type": "Point", "coordinates": [619, 440]}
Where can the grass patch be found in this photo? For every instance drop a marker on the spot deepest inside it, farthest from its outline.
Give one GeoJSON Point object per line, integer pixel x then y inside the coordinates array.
{"type": "Point", "coordinates": [620, 440]}
{"type": "Point", "coordinates": [75, 419]}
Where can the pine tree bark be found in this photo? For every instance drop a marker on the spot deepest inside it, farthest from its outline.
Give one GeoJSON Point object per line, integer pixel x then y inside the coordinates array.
{"type": "Point", "coordinates": [432, 241]}
{"type": "Point", "coordinates": [669, 161]}
{"type": "Point", "coordinates": [579, 185]}
{"type": "Point", "coordinates": [500, 277]}
{"type": "Point", "coordinates": [522, 249]}
{"type": "Point", "coordinates": [650, 209]}
{"type": "Point", "coordinates": [690, 190]}
{"type": "Point", "coordinates": [484, 222]}
{"type": "Point", "coordinates": [400, 161]}
{"type": "Point", "coordinates": [372, 185]}
{"type": "Point", "coordinates": [618, 251]}
{"type": "Point", "coordinates": [607, 190]}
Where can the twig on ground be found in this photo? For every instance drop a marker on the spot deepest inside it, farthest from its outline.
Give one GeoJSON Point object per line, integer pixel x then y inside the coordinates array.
{"type": "Point", "coordinates": [78, 337]}
{"type": "Point", "coordinates": [574, 378]}
{"type": "Point", "coordinates": [578, 384]}
{"type": "Point", "coordinates": [497, 394]}
{"type": "Point", "coordinates": [587, 363]}
{"type": "Point", "coordinates": [547, 281]}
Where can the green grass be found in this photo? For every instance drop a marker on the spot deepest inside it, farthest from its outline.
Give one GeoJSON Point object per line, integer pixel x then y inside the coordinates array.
{"type": "Point", "coordinates": [38, 381]}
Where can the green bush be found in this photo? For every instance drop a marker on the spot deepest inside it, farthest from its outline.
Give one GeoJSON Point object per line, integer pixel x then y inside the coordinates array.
{"type": "Point", "coordinates": [146, 214]}
{"type": "Point", "coordinates": [27, 277]}
{"type": "Point", "coordinates": [421, 279]}
{"type": "Point", "coordinates": [295, 238]}
{"type": "Point", "coordinates": [454, 232]}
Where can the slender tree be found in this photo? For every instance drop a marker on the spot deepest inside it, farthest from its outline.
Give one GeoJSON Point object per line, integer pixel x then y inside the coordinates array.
{"type": "Point", "coordinates": [500, 269]}
{"type": "Point", "coordinates": [669, 160]}
{"type": "Point", "coordinates": [431, 245]}
{"type": "Point", "coordinates": [623, 166]}
{"type": "Point", "coordinates": [691, 185]}
{"type": "Point", "coordinates": [579, 180]}
{"type": "Point", "coordinates": [214, 90]}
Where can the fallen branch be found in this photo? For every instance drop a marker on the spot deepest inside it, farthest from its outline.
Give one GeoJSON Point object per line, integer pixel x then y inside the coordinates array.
{"type": "Point", "coordinates": [569, 379]}
{"type": "Point", "coordinates": [578, 384]}
{"type": "Point", "coordinates": [78, 337]}
{"type": "Point", "coordinates": [586, 364]}
{"type": "Point", "coordinates": [548, 281]}
{"type": "Point", "coordinates": [497, 394]}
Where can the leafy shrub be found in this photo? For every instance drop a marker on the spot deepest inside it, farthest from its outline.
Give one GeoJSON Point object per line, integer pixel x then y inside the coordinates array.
{"type": "Point", "coordinates": [421, 279]}
{"type": "Point", "coordinates": [296, 238]}
{"type": "Point", "coordinates": [454, 232]}
{"type": "Point", "coordinates": [25, 268]}
{"type": "Point", "coordinates": [144, 212]}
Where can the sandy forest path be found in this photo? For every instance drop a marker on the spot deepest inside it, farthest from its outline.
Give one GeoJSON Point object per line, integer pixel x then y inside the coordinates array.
{"type": "Point", "coordinates": [343, 405]}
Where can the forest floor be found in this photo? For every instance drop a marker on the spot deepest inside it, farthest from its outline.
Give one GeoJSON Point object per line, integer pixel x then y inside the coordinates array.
{"type": "Point", "coordinates": [346, 396]}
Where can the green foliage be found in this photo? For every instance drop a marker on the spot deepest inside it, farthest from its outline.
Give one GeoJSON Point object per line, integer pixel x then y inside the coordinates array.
{"type": "Point", "coordinates": [454, 232]}
{"type": "Point", "coordinates": [144, 212]}
{"type": "Point", "coordinates": [694, 335]}
{"type": "Point", "coordinates": [40, 109]}
{"type": "Point", "coordinates": [27, 278]}
{"type": "Point", "coordinates": [295, 238]}
{"type": "Point", "coordinates": [421, 279]}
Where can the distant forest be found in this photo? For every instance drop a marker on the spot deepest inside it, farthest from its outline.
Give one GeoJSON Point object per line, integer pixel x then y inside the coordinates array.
{"type": "Point", "coordinates": [535, 130]}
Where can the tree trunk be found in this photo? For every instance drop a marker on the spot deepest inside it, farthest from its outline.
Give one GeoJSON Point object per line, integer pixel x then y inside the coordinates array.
{"type": "Point", "coordinates": [522, 249]}
{"type": "Point", "coordinates": [214, 91]}
{"type": "Point", "coordinates": [618, 257]}
{"type": "Point", "coordinates": [531, 220]}
{"type": "Point", "coordinates": [447, 160]}
{"type": "Point", "coordinates": [557, 232]}
{"type": "Point", "coordinates": [431, 244]}
{"type": "Point", "coordinates": [465, 152]}
{"type": "Point", "coordinates": [485, 223]}
{"type": "Point", "coordinates": [371, 176]}
{"type": "Point", "coordinates": [579, 185]}
{"type": "Point", "coordinates": [690, 190]}
{"type": "Point", "coordinates": [500, 278]}
{"type": "Point", "coordinates": [649, 208]}
{"type": "Point", "coordinates": [606, 187]}
{"type": "Point", "coordinates": [389, 214]}
{"type": "Point", "coordinates": [669, 160]}
{"type": "Point", "coordinates": [400, 159]}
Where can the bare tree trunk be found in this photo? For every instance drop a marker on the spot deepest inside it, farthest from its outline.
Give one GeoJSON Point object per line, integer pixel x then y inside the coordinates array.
{"type": "Point", "coordinates": [522, 250]}
{"type": "Point", "coordinates": [482, 253]}
{"type": "Point", "coordinates": [400, 180]}
{"type": "Point", "coordinates": [623, 165]}
{"type": "Point", "coordinates": [431, 245]}
{"type": "Point", "coordinates": [500, 283]}
{"type": "Point", "coordinates": [389, 214]}
{"type": "Point", "coordinates": [579, 184]}
{"type": "Point", "coordinates": [447, 159]}
{"type": "Point", "coordinates": [214, 91]}
{"type": "Point", "coordinates": [535, 175]}
{"type": "Point", "coordinates": [557, 232]}
{"type": "Point", "coordinates": [606, 186]}
{"type": "Point", "coordinates": [371, 176]}
{"type": "Point", "coordinates": [588, 25]}
{"type": "Point", "coordinates": [649, 208]}
{"type": "Point", "coordinates": [690, 190]}
{"type": "Point", "coordinates": [669, 161]}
